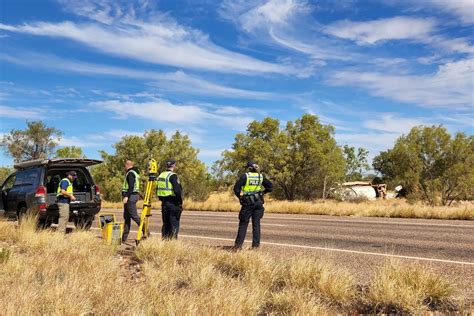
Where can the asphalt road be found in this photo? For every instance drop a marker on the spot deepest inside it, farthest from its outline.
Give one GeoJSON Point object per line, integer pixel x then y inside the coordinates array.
{"type": "Point", "coordinates": [359, 244]}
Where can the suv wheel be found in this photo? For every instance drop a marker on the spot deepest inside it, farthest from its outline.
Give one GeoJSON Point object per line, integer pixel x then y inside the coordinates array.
{"type": "Point", "coordinates": [84, 222]}
{"type": "Point", "coordinates": [22, 211]}
{"type": "Point", "coordinates": [44, 223]}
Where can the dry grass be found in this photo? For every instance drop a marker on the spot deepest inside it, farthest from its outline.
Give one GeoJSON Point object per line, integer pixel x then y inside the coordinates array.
{"type": "Point", "coordinates": [410, 289]}
{"type": "Point", "coordinates": [50, 273]}
{"type": "Point", "coordinates": [379, 208]}
{"type": "Point", "coordinates": [398, 208]}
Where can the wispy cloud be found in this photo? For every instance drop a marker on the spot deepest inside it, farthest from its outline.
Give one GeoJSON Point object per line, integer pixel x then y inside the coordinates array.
{"type": "Point", "coordinates": [463, 9]}
{"type": "Point", "coordinates": [84, 141]}
{"type": "Point", "coordinates": [162, 41]}
{"type": "Point", "coordinates": [419, 30]}
{"type": "Point", "coordinates": [371, 32]}
{"type": "Point", "coordinates": [182, 82]}
{"type": "Point", "coordinates": [181, 115]}
{"type": "Point", "coordinates": [290, 24]}
{"type": "Point", "coordinates": [159, 111]}
{"type": "Point", "coordinates": [285, 23]}
{"type": "Point", "coordinates": [393, 123]}
{"type": "Point", "coordinates": [172, 81]}
{"type": "Point", "coordinates": [20, 112]}
{"type": "Point", "coordinates": [450, 87]}
{"type": "Point", "coordinates": [272, 13]}
{"type": "Point", "coordinates": [374, 142]}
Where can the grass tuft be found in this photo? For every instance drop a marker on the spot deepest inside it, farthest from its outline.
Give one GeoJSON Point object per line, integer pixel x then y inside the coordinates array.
{"type": "Point", "coordinates": [409, 288]}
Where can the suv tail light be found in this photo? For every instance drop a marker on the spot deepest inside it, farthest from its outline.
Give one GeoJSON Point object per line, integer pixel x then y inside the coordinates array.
{"type": "Point", "coordinates": [97, 195]}
{"type": "Point", "coordinates": [41, 198]}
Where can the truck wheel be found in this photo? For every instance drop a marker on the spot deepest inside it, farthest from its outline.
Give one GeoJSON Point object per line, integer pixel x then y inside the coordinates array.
{"type": "Point", "coordinates": [84, 223]}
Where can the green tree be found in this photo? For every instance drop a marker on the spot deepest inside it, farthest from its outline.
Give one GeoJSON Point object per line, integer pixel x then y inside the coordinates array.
{"type": "Point", "coordinates": [153, 144]}
{"type": "Point", "coordinates": [301, 159]}
{"type": "Point", "coordinates": [37, 141]}
{"type": "Point", "coordinates": [4, 173]}
{"type": "Point", "coordinates": [70, 152]}
{"type": "Point", "coordinates": [431, 165]}
{"type": "Point", "coordinates": [356, 162]}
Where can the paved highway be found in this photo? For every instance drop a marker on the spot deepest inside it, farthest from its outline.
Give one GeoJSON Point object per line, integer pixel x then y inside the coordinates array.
{"type": "Point", "coordinates": [427, 240]}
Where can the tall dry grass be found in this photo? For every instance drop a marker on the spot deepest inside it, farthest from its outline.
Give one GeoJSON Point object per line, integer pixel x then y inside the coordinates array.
{"type": "Point", "coordinates": [397, 208]}
{"type": "Point", "coordinates": [396, 287]}
{"type": "Point", "coordinates": [379, 208]}
{"type": "Point", "coordinates": [50, 273]}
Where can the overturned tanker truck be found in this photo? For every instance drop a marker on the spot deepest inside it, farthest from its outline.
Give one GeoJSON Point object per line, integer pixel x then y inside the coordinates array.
{"type": "Point", "coordinates": [348, 191]}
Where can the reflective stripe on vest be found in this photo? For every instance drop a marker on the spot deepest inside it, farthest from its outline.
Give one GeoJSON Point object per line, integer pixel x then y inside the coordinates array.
{"type": "Point", "coordinates": [136, 186]}
{"type": "Point", "coordinates": [253, 183]}
{"type": "Point", "coordinates": [164, 187]}
{"type": "Point", "coordinates": [69, 188]}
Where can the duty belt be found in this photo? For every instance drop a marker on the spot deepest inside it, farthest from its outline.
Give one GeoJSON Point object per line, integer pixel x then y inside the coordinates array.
{"type": "Point", "coordinates": [252, 198]}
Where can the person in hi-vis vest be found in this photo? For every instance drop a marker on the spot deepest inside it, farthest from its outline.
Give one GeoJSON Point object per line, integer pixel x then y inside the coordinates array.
{"type": "Point", "coordinates": [250, 189]}
{"type": "Point", "coordinates": [65, 195]}
{"type": "Point", "coordinates": [169, 192]}
{"type": "Point", "coordinates": [130, 194]}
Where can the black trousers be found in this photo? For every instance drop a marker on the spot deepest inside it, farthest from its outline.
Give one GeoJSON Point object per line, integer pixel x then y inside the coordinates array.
{"type": "Point", "coordinates": [129, 213]}
{"type": "Point", "coordinates": [247, 212]}
{"type": "Point", "coordinates": [171, 214]}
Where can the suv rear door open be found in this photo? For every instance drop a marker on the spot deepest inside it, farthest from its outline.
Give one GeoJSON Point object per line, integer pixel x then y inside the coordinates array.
{"type": "Point", "coordinates": [58, 162]}
{"type": "Point", "coordinates": [42, 200]}
{"type": "Point", "coordinates": [83, 186]}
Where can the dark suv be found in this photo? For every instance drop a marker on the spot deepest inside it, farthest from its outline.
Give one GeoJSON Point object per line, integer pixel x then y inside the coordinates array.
{"type": "Point", "coordinates": [32, 188]}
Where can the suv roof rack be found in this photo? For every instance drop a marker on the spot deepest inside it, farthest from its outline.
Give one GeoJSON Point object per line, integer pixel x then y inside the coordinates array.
{"type": "Point", "coordinates": [57, 162]}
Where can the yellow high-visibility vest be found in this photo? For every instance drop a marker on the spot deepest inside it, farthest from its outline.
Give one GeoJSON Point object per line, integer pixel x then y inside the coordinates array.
{"type": "Point", "coordinates": [253, 183]}
{"type": "Point", "coordinates": [164, 187]}
{"type": "Point", "coordinates": [136, 186]}
{"type": "Point", "coordinates": [68, 190]}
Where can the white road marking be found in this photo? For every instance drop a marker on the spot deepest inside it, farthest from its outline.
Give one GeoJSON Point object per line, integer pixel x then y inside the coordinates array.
{"type": "Point", "coordinates": [268, 216]}
{"type": "Point", "coordinates": [327, 249]}
{"type": "Point", "coordinates": [341, 220]}
{"type": "Point", "coordinates": [236, 222]}
{"type": "Point", "coordinates": [340, 250]}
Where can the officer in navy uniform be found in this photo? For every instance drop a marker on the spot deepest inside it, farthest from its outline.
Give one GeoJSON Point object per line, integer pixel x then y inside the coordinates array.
{"type": "Point", "coordinates": [169, 192]}
{"type": "Point", "coordinates": [130, 194]}
{"type": "Point", "coordinates": [250, 189]}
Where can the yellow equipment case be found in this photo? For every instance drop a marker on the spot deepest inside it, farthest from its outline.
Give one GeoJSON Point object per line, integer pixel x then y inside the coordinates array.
{"type": "Point", "coordinates": [111, 229]}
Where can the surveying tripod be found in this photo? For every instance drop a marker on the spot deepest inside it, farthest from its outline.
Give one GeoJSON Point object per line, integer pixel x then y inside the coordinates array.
{"type": "Point", "coordinates": [144, 229]}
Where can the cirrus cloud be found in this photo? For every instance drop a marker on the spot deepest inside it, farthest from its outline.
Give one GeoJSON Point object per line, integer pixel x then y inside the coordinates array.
{"type": "Point", "coordinates": [371, 32]}
{"type": "Point", "coordinates": [450, 87]}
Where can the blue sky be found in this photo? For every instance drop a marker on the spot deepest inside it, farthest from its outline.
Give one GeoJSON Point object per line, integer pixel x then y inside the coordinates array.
{"type": "Point", "coordinates": [99, 70]}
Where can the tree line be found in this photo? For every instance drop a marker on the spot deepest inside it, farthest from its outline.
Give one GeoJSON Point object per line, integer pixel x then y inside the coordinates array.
{"type": "Point", "coordinates": [302, 158]}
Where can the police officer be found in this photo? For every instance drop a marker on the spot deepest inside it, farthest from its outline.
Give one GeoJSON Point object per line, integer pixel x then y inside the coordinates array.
{"type": "Point", "coordinates": [253, 185]}
{"type": "Point", "coordinates": [65, 196]}
{"type": "Point", "coordinates": [130, 194]}
{"type": "Point", "coordinates": [169, 192]}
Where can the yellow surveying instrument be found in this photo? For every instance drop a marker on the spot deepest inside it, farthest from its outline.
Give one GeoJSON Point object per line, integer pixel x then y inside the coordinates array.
{"type": "Point", "coordinates": [144, 229]}
{"type": "Point", "coordinates": [111, 229]}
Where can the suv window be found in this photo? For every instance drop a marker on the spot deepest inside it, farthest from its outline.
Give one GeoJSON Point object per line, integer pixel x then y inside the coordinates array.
{"type": "Point", "coordinates": [54, 176]}
{"type": "Point", "coordinates": [27, 177]}
{"type": "Point", "coordinates": [8, 184]}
